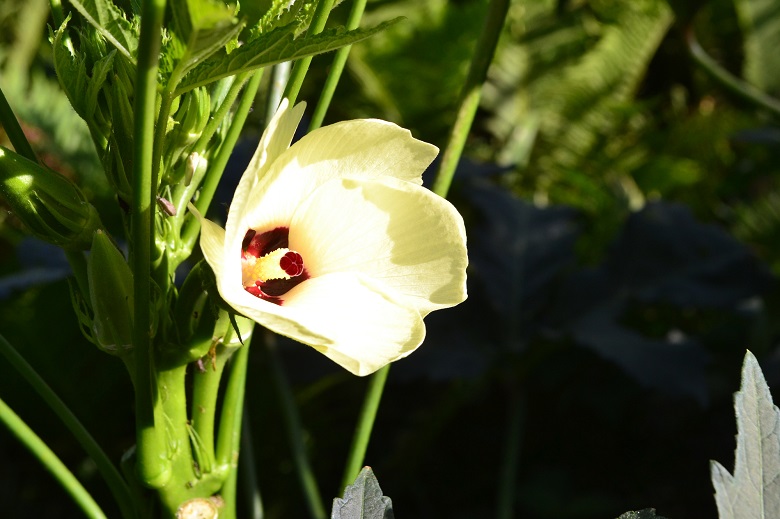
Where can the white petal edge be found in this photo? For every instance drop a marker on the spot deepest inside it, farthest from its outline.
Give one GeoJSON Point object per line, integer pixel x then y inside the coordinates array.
{"type": "Point", "coordinates": [398, 233]}
{"type": "Point", "coordinates": [351, 320]}
{"type": "Point", "coordinates": [212, 241]}
{"type": "Point", "coordinates": [275, 141]}
{"type": "Point", "coordinates": [366, 148]}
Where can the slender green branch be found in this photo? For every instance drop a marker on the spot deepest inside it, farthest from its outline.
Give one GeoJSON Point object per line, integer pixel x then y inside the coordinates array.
{"type": "Point", "coordinates": [510, 454]}
{"type": "Point", "coordinates": [217, 166]}
{"type": "Point", "coordinates": [229, 441]}
{"type": "Point", "coordinates": [302, 65]}
{"type": "Point", "coordinates": [472, 89]}
{"type": "Point", "coordinates": [56, 12]}
{"type": "Point", "coordinates": [14, 130]}
{"type": "Point", "coordinates": [295, 433]}
{"type": "Point", "coordinates": [248, 472]}
{"type": "Point", "coordinates": [336, 68]}
{"type": "Point", "coordinates": [50, 460]}
{"type": "Point", "coordinates": [152, 464]}
{"type": "Point", "coordinates": [280, 74]}
{"type": "Point", "coordinates": [108, 470]}
{"type": "Point", "coordinates": [357, 451]}
{"type": "Point", "coordinates": [735, 85]}
{"type": "Point", "coordinates": [79, 265]}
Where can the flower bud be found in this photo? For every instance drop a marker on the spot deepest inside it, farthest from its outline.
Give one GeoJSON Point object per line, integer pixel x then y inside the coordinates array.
{"type": "Point", "coordinates": [111, 294]}
{"type": "Point", "coordinates": [52, 207]}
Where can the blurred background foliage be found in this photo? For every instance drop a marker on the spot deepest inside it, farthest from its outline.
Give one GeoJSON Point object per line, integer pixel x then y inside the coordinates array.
{"type": "Point", "coordinates": [623, 211]}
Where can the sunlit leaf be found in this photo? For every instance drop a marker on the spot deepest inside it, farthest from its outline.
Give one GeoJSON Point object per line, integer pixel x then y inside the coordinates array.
{"type": "Point", "coordinates": [274, 47]}
{"type": "Point", "coordinates": [754, 489]}
{"type": "Point", "coordinates": [110, 21]}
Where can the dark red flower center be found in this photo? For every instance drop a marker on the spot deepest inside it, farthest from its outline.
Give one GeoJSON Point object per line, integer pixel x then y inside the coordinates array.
{"type": "Point", "coordinates": [260, 264]}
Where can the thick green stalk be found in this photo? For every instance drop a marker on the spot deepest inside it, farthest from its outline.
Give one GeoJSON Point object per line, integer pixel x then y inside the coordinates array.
{"type": "Point", "coordinates": [302, 65]}
{"type": "Point", "coordinates": [171, 384]}
{"type": "Point", "coordinates": [14, 130]}
{"type": "Point", "coordinates": [469, 98]}
{"type": "Point", "coordinates": [229, 441]}
{"type": "Point", "coordinates": [153, 466]}
{"type": "Point", "coordinates": [357, 451]}
{"type": "Point", "coordinates": [336, 68]}
{"type": "Point", "coordinates": [116, 483]}
{"type": "Point", "coordinates": [50, 460]}
{"type": "Point", "coordinates": [295, 435]}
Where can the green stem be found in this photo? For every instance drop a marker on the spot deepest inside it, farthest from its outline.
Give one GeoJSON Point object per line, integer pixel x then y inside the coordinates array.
{"type": "Point", "coordinates": [178, 488]}
{"type": "Point", "coordinates": [113, 478]}
{"type": "Point", "coordinates": [294, 432]}
{"type": "Point", "coordinates": [217, 166]}
{"type": "Point", "coordinates": [302, 65]}
{"type": "Point", "coordinates": [357, 451]}
{"type": "Point", "coordinates": [280, 75]}
{"type": "Point", "coordinates": [153, 466]}
{"type": "Point", "coordinates": [469, 100]}
{"type": "Point", "coordinates": [14, 130]}
{"type": "Point", "coordinates": [735, 85]}
{"type": "Point", "coordinates": [50, 460]}
{"type": "Point", "coordinates": [248, 472]}
{"type": "Point", "coordinates": [336, 68]}
{"type": "Point", "coordinates": [79, 265]}
{"type": "Point", "coordinates": [56, 12]}
{"type": "Point", "coordinates": [510, 455]}
{"type": "Point", "coordinates": [229, 441]}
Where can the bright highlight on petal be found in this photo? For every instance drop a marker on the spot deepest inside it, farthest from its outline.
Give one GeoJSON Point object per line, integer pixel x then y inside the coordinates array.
{"type": "Point", "coordinates": [334, 242]}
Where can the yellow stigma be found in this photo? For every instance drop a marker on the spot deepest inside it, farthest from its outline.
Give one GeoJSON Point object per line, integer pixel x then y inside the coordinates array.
{"type": "Point", "coordinates": [264, 268]}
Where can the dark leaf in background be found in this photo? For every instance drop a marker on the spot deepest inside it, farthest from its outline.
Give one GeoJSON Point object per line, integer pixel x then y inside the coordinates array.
{"type": "Point", "coordinates": [363, 499]}
{"type": "Point", "coordinates": [517, 251]}
{"type": "Point", "coordinates": [662, 256]}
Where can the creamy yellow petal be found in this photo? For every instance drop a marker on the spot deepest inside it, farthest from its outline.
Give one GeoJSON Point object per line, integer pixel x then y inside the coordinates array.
{"type": "Point", "coordinates": [351, 320]}
{"type": "Point", "coordinates": [395, 232]}
{"type": "Point", "coordinates": [212, 241]}
{"type": "Point", "coordinates": [274, 142]}
{"type": "Point", "coordinates": [363, 148]}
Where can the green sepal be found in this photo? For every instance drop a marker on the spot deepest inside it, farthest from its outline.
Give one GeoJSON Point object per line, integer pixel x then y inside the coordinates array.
{"type": "Point", "coordinates": [111, 296]}
{"type": "Point", "coordinates": [52, 207]}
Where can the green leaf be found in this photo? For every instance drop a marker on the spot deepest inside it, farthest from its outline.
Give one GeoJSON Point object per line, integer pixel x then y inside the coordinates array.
{"type": "Point", "coordinates": [207, 27]}
{"type": "Point", "coordinates": [111, 23]}
{"type": "Point", "coordinates": [71, 70]}
{"type": "Point", "coordinates": [274, 47]}
{"type": "Point", "coordinates": [363, 500]}
{"type": "Point", "coordinates": [100, 72]}
{"type": "Point", "coordinates": [760, 23]}
{"type": "Point", "coordinates": [754, 489]}
{"type": "Point", "coordinates": [647, 513]}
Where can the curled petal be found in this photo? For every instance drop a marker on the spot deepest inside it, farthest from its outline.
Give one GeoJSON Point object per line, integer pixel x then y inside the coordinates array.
{"type": "Point", "coordinates": [364, 148]}
{"type": "Point", "coordinates": [408, 238]}
{"type": "Point", "coordinates": [276, 140]}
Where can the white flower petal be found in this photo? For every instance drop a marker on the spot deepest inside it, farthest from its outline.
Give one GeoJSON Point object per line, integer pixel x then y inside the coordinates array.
{"type": "Point", "coordinates": [276, 140]}
{"type": "Point", "coordinates": [408, 238]}
{"type": "Point", "coordinates": [366, 326]}
{"type": "Point", "coordinates": [365, 148]}
{"type": "Point", "coordinates": [212, 241]}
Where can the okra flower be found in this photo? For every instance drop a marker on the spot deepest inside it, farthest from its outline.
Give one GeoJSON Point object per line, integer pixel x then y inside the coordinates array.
{"type": "Point", "coordinates": [334, 242]}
